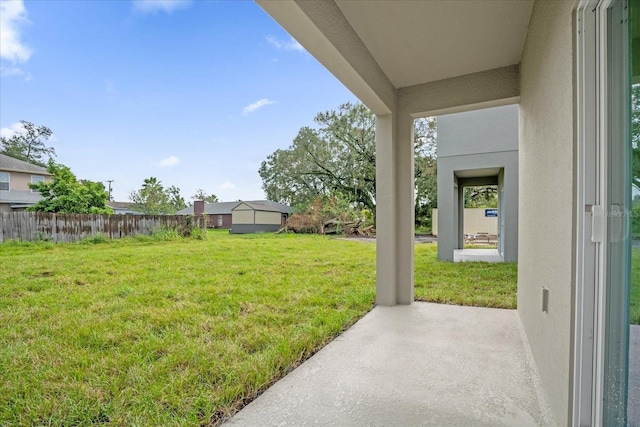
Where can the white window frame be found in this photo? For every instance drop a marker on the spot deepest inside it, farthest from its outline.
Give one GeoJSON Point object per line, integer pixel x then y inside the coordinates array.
{"type": "Point", "coordinates": [42, 179]}
{"type": "Point", "coordinates": [8, 181]}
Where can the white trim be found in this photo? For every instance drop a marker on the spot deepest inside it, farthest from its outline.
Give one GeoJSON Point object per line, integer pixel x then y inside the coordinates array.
{"type": "Point", "coordinates": [591, 133]}
{"type": "Point", "coordinates": [585, 109]}
{"type": "Point", "coordinates": [37, 181]}
{"type": "Point", "coordinates": [601, 194]}
{"type": "Point", "coordinates": [8, 181]}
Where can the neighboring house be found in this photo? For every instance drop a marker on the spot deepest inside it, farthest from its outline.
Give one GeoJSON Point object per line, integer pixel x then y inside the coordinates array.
{"type": "Point", "coordinates": [219, 215]}
{"type": "Point", "coordinates": [123, 208]}
{"type": "Point", "coordinates": [257, 217]}
{"type": "Point", "coordinates": [15, 177]}
{"type": "Point", "coordinates": [569, 66]}
{"type": "Point", "coordinates": [478, 148]}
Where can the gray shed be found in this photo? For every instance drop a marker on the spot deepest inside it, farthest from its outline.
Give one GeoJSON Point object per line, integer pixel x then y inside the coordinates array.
{"type": "Point", "coordinates": [257, 217]}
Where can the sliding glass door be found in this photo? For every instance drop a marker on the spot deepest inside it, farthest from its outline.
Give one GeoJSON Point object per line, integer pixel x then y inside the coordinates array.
{"type": "Point", "coordinates": [630, 297]}
{"type": "Point", "coordinates": [607, 336]}
{"type": "Point", "coordinates": [616, 191]}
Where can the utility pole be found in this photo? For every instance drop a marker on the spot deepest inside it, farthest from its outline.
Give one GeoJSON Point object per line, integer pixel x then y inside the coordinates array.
{"type": "Point", "coordinates": [110, 181]}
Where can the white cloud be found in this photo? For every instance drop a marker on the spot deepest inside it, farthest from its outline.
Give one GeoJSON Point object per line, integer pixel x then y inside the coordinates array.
{"type": "Point", "coordinates": [17, 128]}
{"type": "Point", "coordinates": [169, 161]}
{"type": "Point", "coordinates": [11, 130]}
{"type": "Point", "coordinates": [258, 104]}
{"type": "Point", "coordinates": [167, 6]}
{"type": "Point", "coordinates": [227, 185]}
{"type": "Point", "coordinates": [12, 15]}
{"type": "Point", "coordinates": [290, 44]}
{"type": "Point", "coordinates": [12, 71]}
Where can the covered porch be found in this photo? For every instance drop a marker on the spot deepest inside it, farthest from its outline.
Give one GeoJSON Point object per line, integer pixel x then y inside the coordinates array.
{"type": "Point", "coordinates": [412, 59]}
{"type": "Point", "coordinates": [409, 365]}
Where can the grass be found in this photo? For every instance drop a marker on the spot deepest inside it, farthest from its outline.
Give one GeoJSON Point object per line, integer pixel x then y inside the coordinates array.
{"type": "Point", "coordinates": [470, 283]}
{"type": "Point", "coordinates": [153, 331]}
{"type": "Point", "coordinates": [634, 297]}
{"type": "Point", "coordinates": [175, 332]}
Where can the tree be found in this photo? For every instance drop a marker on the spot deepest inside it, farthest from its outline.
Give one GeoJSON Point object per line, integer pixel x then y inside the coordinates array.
{"type": "Point", "coordinates": [175, 199]}
{"type": "Point", "coordinates": [202, 195]}
{"type": "Point", "coordinates": [481, 197]}
{"type": "Point", "coordinates": [65, 194]}
{"type": "Point", "coordinates": [338, 158]}
{"type": "Point", "coordinates": [29, 144]}
{"type": "Point", "coordinates": [153, 199]}
{"type": "Point", "coordinates": [426, 170]}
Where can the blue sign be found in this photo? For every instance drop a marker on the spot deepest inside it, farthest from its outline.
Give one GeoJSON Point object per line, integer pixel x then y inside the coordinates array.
{"type": "Point", "coordinates": [492, 213]}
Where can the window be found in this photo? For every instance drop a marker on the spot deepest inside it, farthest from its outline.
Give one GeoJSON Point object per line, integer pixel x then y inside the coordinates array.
{"type": "Point", "coordinates": [219, 220]}
{"type": "Point", "coordinates": [4, 181]}
{"type": "Point", "coordinates": [36, 179]}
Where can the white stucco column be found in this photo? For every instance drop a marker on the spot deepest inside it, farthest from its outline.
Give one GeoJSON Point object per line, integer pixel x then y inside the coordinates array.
{"type": "Point", "coordinates": [394, 209]}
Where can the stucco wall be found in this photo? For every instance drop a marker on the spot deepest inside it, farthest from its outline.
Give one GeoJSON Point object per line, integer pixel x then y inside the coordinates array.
{"type": "Point", "coordinates": [448, 238]}
{"type": "Point", "coordinates": [20, 181]}
{"type": "Point", "coordinates": [480, 131]}
{"type": "Point", "coordinates": [547, 196]}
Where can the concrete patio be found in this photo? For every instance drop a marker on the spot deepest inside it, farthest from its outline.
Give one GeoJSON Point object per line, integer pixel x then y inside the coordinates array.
{"type": "Point", "coordinates": [484, 255]}
{"type": "Point", "coordinates": [423, 364]}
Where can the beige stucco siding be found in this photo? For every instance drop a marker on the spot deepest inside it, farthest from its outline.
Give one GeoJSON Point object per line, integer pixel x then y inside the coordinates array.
{"type": "Point", "coordinates": [242, 216]}
{"type": "Point", "coordinates": [20, 181]}
{"type": "Point", "coordinates": [271, 218]}
{"type": "Point", "coordinates": [546, 202]}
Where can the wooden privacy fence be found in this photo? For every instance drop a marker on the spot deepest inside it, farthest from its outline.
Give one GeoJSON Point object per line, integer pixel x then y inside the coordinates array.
{"type": "Point", "coordinates": [75, 227]}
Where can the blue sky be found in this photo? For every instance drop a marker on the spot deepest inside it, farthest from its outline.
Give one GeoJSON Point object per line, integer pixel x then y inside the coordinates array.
{"type": "Point", "coordinates": [196, 93]}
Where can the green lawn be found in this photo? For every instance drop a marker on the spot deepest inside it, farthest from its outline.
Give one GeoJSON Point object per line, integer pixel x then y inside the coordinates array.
{"type": "Point", "coordinates": [469, 283]}
{"type": "Point", "coordinates": [634, 300]}
{"type": "Point", "coordinates": [183, 332]}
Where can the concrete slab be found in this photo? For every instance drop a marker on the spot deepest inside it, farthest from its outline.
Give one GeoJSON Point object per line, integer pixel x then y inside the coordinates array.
{"type": "Point", "coordinates": [423, 364]}
{"type": "Point", "coordinates": [485, 255]}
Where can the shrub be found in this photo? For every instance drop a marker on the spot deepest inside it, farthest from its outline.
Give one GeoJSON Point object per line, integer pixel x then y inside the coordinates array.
{"type": "Point", "coordinates": [198, 233]}
{"type": "Point", "coordinates": [95, 239]}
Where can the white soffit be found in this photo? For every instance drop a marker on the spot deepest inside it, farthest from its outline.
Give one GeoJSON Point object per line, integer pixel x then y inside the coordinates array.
{"type": "Point", "coordinates": [417, 42]}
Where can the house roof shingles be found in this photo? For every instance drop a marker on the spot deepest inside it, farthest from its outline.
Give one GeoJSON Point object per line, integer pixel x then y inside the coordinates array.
{"type": "Point", "coordinates": [10, 164]}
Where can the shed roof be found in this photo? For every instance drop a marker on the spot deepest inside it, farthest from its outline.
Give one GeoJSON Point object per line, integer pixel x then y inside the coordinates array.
{"type": "Point", "coordinates": [8, 163]}
{"type": "Point", "coordinates": [259, 206]}
{"type": "Point", "coordinates": [119, 205]}
{"type": "Point", "coordinates": [225, 208]}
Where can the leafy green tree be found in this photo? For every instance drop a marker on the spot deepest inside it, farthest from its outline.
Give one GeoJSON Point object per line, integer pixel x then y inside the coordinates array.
{"type": "Point", "coordinates": [635, 135]}
{"type": "Point", "coordinates": [426, 170]}
{"type": "Point", "coordinates": [481, 197]}
{"type": "Point", "coordinates": [202, 195]}
{"type": "Point", "coordinates": [29, 145]}
{"type": "Point", "coordinates": [65, 194]}
{"type": "Point", "coordinates": [153, 199]}
{"type": "Point", "coordinates": [338, 158]}
{"type": "Point", "coordinates": [175, 199]}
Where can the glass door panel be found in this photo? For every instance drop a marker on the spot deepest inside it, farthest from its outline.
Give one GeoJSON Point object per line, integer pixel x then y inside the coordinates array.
{"type": "Point", "coordinates": [633, 185]}
{"type": "Point", "coordinates": [622, 258]}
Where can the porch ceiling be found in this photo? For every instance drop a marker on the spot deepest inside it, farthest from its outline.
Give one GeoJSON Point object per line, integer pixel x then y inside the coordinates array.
{"type": "Point", "coordinates": [416, 42]}
{"type": "Point", "coordinates": [378, 47]}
